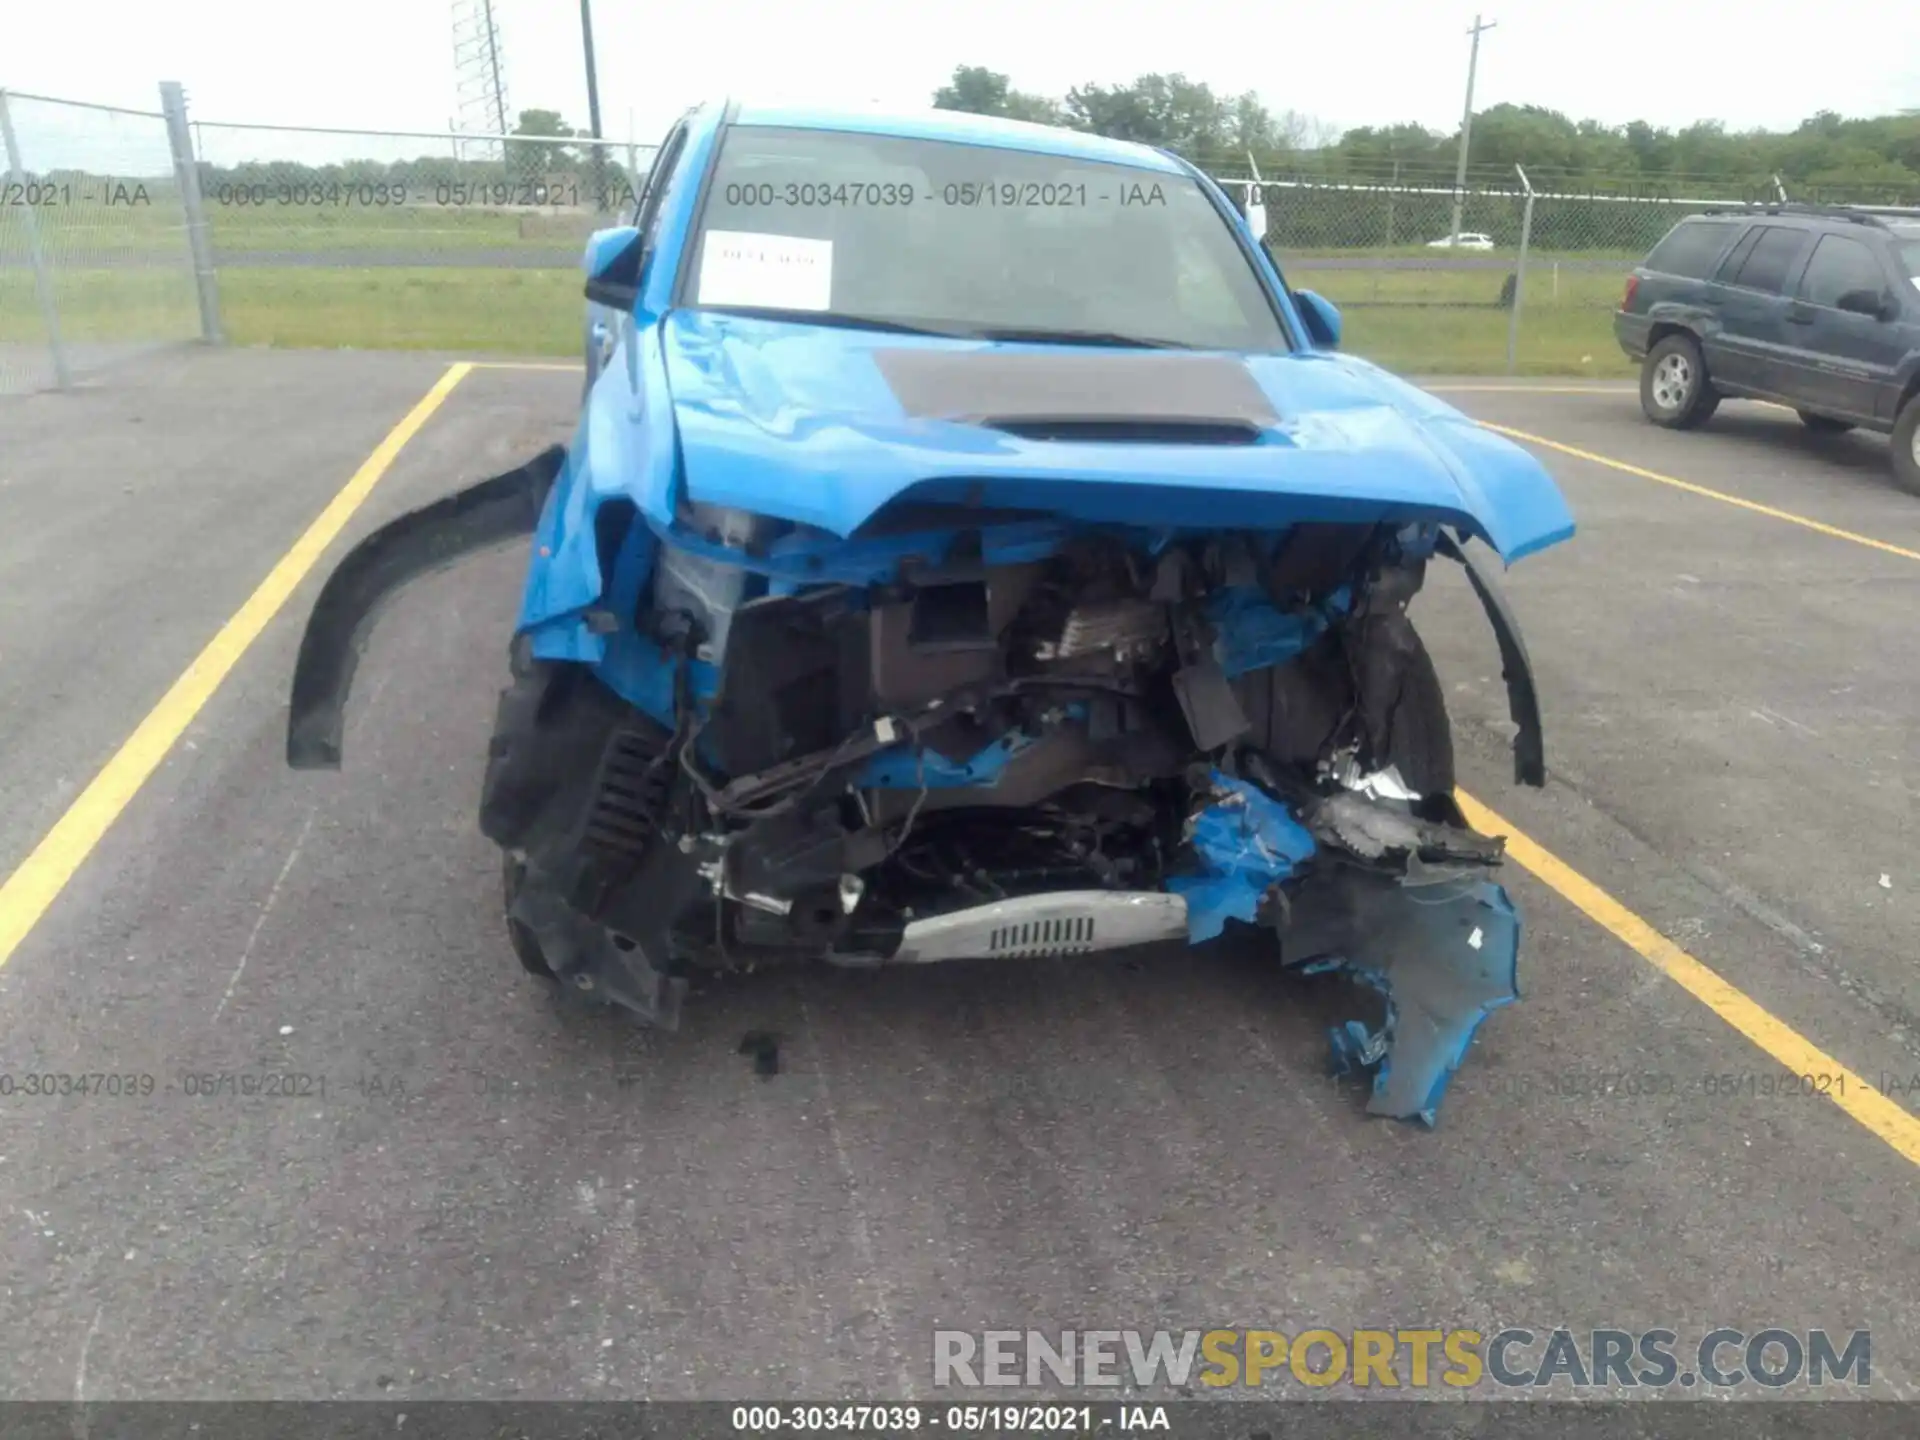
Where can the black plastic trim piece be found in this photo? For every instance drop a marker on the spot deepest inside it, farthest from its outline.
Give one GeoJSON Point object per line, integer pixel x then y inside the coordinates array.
{"type": "Point", "coordinates": [1523, 697]}
{"type": "Point", "coordinates": [418, 543]}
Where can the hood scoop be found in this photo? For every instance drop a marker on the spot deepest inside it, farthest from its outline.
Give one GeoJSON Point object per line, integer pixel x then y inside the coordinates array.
{"type": "Point", "coordinates": [1083, 393]}
{"type": "Point", "coordinates": [1141, 430]}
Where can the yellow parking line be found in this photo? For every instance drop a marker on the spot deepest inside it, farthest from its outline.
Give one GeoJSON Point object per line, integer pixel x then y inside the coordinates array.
{"type": "Point", "coordinates": [31, 889]}
{"type": "Point", "coordinates": [1851, 1091]}
{"type": "Point", "coordinates": [1624, 388]}
{"type": "Point", "coordinates": [1787, 515]}
{"type": "Point", "coordinates": [520, 365]}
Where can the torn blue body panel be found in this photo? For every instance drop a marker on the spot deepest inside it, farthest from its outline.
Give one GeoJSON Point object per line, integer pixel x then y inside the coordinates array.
{"type": "Point", "coordinates": [1443, 953]}
{"type": "Point", "coordinates": [1253, 633]}
{"type": "Point", "coordinates": [911, 767]}
{"type": "Point", "coordinates": [1246, 842]}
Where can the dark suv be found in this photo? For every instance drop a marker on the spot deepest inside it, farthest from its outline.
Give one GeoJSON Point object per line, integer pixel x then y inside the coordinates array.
{"type": "Point", "coordinates": [1814, 307]}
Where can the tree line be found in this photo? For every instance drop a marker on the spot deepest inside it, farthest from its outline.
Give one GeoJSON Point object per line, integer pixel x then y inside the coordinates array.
{"type": "Point", "coordinates": [1826, 156]}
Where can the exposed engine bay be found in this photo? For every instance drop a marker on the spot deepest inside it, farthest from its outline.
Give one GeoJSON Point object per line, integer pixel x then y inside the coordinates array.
{"type": "Point", "coordinates": [1135, 740]}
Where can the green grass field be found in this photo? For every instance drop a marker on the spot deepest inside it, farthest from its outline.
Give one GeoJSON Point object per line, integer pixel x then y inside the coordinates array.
{"type": "Point", "coordinates": [1414, 321]}
{"type": "Point", "coordinates": [493, 312]}
{"type": "Point", "coordinates": [103, 305]}
{"type": "Point", "coordinates": [77, 232]}
{"type": "Point", "coordinates": [237, 227]}
{"type": "Point", "coordinates": [1448, 321]}
{"type": "Point", "coordinates": [426, 229]}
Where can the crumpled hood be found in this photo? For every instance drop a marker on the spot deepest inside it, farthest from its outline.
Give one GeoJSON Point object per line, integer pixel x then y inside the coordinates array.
{"type": "Point", "coordinates": [800, 421]}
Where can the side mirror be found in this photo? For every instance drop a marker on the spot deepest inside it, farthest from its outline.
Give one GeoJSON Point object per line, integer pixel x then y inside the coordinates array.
{"type": "Point", "coordinates": [612, 265]}
{"type": "Point", "coordinates": [1321, 318]}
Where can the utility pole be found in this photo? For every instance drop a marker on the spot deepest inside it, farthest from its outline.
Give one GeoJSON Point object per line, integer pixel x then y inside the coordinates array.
{"type": "Point", "coordinates": [1466, 125]}
{"type": "Point", "coordinates": [593, 107]}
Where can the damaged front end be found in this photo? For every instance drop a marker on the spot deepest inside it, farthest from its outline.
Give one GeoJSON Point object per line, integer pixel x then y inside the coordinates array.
{"type": "Point", "coordinates": [1002, 739]}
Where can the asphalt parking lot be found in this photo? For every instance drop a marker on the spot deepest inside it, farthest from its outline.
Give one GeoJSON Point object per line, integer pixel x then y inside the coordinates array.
{"type": "Point", "coordinates": [469, 1194]}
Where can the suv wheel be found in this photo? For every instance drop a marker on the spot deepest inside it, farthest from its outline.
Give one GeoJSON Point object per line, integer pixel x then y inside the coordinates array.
{"type": "Point", "coordinates": [1824, 424]}
{"type": "Point", "coordinates": [1674, 389]}
{"type": "Point", "coordinates": [1906, 447]}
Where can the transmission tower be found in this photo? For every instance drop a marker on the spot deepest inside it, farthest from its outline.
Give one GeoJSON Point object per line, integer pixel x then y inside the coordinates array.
{"type": "Point", "coordinates": [479, 76]}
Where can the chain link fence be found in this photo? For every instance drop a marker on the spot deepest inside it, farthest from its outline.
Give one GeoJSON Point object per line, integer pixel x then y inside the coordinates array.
{"type": "Point", "coordinates": [128, 229]}
{"type": "Point", "coordinates": [123, 230]}
{"type": "Point", "coordinates": [281, 197]}
{"type": "Point", "coordinates": [1415, 292]}
{"type": "Point", "coordinates": [94, 258]}
{"type": "Point", "coordinates": [437, 240]}
{"type": "Point", "coordinates": [1525, 281]}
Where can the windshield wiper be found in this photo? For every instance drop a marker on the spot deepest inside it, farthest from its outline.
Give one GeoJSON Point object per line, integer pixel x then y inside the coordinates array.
{"type": "Point", "coordinates": [835, 317]}
{"type": "Point", "coordinates": [955, 330]}
{"type": "Point", "coordinates": [1075, 337]}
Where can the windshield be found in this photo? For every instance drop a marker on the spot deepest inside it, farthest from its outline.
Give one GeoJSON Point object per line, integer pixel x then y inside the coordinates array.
{"type": "Point", "coordinates": [1909, 250]}
{"type": "Point", "coordinates": [972, 239]}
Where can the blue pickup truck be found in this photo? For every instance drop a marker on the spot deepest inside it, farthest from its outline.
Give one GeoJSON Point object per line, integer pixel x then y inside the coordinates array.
{"type": "Point", "coordinates": [971, 549]}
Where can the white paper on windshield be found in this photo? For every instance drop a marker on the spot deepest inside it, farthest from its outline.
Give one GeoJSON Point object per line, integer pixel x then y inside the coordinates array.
{"type": "Point", "coordinates": [785, 272]}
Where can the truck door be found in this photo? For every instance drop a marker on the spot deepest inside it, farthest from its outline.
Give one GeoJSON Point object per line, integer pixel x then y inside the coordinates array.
{"type": "Point", "coordinates": [1841, 327]}
{"type": "Point", "coordinates": [1752, 341]}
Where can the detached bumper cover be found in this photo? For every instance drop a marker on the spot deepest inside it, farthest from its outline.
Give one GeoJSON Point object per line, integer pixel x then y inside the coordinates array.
{"type": "Point", "coordinates": [1444, 953]}
{"type": "Point", "coordinates": [419, 543]}
{"type": "Point", "coordinates": [1398, 904]}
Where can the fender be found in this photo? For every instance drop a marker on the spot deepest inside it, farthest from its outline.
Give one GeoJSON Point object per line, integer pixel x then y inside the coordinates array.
{"type": "Point", "coordinates": [1523, 699]}
{"type": "Point", "coordinates": [1905, 386]}
{"type": "Point", "coordinates": [1700, 321]}
{"type": "Point", "coordinates": [490, 513]}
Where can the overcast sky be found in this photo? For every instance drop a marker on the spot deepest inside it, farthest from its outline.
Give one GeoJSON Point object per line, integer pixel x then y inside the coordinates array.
{"type": "Point", "coordinates": [388, 63]}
